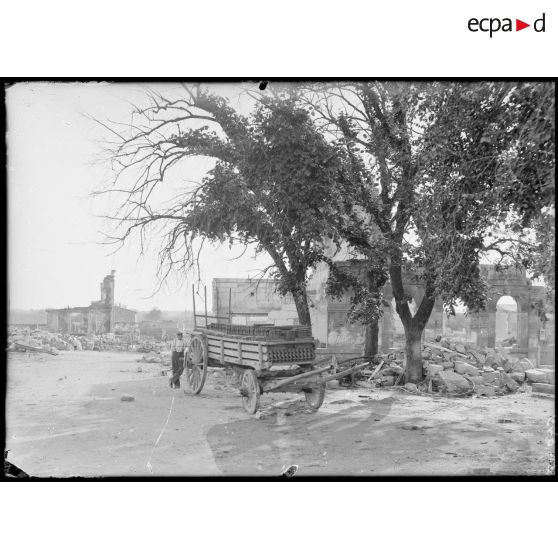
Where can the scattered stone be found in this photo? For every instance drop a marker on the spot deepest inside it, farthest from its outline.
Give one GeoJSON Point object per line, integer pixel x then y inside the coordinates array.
{"type": "Point", "coordinates": [524, 365]}
{"type": "Point", "coordinates": [476, 380]}
{"type": "Point", "coordinates": [433, 369]}
{"type": "Point", "coordinates": [392, 370]}
{"type": "Point", "coordinates": [479, 356]}
{"type": "Point", "coordinates": [544, 388]}
{"type": "Point", "coordinates": [518, 376]}
{"type": "Point", "coordinates": [538, 376]}
{"type": "Point", "coordinates": [508, 365]}
{"type": "Point", "coordinates": [409, 386]}
{"type": "Point", "coordinates": [127, 398]}
{"type": "Point", "coordinates": [498, 359]}
{"type": "Point", "coordinates": [489, 360]}
{"type": "Point", "coordinates": [510, 383]}
{"type": "Point", "coordinates": [490, 377]}
{"type": "Point", "coordinates": [453, 383]}
{"type": "Point", "coordinates": [485, 390]}
{"type": "Point", "coordinates": [463, 368]}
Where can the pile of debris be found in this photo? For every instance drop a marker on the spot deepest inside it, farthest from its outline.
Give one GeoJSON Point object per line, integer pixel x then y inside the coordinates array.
{"type": "Point", "coordinates": [163, 357]}
{"type": "Point", "coordinates": [26, 340]}
{"type": "Point", "coordinates": [462, 369]}
{"type": "Point", "coordinates": [42, 341]}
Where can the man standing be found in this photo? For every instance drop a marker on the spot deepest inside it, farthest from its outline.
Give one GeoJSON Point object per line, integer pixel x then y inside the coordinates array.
{"type": "Point", "coordinates": [177, 360]}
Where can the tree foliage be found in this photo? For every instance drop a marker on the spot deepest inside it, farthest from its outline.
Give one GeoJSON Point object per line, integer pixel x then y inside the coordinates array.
{"type": "Point", "coordinates": [274, 183]}
{"type": "Point", "coordinates": [452, 174]}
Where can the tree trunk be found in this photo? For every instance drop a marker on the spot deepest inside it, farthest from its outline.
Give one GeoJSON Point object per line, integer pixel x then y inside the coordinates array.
{"type": "Point", "coordinates": [302, 309]}
{"type": "Point", "coordinates": [371, 339]}
{"type": "Point", "coordinates": [414, 325]}
{"type": "Point", "coordinates": [413, 348]}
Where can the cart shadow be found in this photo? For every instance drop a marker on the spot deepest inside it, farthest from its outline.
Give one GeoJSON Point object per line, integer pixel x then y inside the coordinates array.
{"type": "Point", "coordinates": [287, 434]}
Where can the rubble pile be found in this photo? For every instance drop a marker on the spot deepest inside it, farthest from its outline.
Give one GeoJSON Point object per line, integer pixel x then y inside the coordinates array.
{"type": "Point", "coordinates": [163, 357]}
{"type": "Point", "coordinates": [26, 340]}
{"type": "Point", "coordinates": [43, 341]}
{"type": "Point", "coordinates": [463, 369]}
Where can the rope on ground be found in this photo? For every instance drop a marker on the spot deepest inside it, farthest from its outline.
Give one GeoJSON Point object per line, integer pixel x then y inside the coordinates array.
{"type": "Point", "coordinates": [148, 465]}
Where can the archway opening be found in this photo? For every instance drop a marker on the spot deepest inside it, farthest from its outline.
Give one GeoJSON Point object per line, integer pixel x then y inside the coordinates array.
{"type": "Point", "coordinates": [506, 322]}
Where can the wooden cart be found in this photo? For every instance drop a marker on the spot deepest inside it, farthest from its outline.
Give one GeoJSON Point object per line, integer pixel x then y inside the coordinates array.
{"type": "Point", "coordinates": [269, 358]}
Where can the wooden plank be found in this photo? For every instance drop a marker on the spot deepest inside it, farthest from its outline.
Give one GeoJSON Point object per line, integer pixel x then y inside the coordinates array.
{"type": "Point", "coordinates": [377, 369]}
{"type": "Point", "coordinates": [295, 388]}
{"type": "Point", "coordinates": [233, 343]}
{"type": "Point", "coordinates": [194, 304]}
{"type": "Point", "coordinates": [216, 335]}
{"type": "Point", "coordinates": [205, 302]}
{"type": "Point", "coordinates": [222, 351]}
{"type": "Point", "coordinates": [434, 346]}
{"type": "Point", "coordinates": [234, 347]}
{"type": "Point", "coordinates": [215, 353]}
{"type": "Point", "coordinates": [325, 379]}
{"type": "Point", "coordinates": [292, 379]}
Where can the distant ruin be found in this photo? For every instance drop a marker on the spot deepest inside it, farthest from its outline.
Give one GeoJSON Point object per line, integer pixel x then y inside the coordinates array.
{"type": "Point", "coordinates": [101, 316]}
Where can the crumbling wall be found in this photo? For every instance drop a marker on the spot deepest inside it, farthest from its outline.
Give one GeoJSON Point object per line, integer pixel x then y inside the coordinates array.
{"type": "Point", "coordinates": [251, 298]}
{"type": "Point", "coordinates": [332, 329]}
{"type": "Point", "coordinates": [535, 338]}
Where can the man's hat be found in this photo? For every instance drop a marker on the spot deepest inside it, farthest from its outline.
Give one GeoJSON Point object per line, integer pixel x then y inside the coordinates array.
{"type": "Point", "coordinates": [179, 333]}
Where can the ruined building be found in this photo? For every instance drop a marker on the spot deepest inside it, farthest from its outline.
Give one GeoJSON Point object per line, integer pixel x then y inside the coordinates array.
{"type": "Point", "coordinates": [254, 301]}
{"type": "Point", "coordinates": [101, 316]}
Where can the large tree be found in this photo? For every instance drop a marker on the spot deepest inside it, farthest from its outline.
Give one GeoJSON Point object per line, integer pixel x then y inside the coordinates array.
{"type": "Point", "coordinates": [437, 167]}
{"type": "Point", "coordinates": [275, 182]}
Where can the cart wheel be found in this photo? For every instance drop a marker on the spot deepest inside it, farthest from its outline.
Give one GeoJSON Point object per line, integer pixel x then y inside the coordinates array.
{"type": "Point", "coordinates": [196, 364]}
{"type": "Point", "coordinates": [250, 391]}
{"type": "Point", "coordinates": [315, 396]}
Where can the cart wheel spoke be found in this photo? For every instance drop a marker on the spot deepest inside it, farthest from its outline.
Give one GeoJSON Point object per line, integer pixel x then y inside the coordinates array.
{"type": "Point", "coordinates": [196, 364]}
{"type": "Point", "coordinates": [250, 391]}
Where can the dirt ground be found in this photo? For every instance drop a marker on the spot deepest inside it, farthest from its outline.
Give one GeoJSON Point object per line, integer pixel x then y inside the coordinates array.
{"type": "Point", "coordinates": [65, 418]}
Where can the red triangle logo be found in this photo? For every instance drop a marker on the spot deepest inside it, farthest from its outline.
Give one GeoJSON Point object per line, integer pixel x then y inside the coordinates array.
{"type": "Point", "coordinates": [519, 25]}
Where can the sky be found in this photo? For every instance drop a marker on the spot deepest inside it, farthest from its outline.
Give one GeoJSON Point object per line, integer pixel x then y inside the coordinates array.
{"type": "Point", "coordinates": [56, 255]}
{"type": "Point", "coordinates": [55, 228]}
